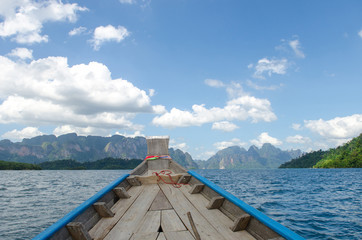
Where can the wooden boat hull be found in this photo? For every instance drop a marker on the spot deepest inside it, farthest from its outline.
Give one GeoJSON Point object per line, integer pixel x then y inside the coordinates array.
{"type": "Point", "coordinates": [147, 204]}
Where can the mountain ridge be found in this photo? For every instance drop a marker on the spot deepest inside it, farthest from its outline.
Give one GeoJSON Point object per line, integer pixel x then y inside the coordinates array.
{"type": "Point", "coordinates": [236, 157]}
{"type": "Point", "coordinates": [82, 148]}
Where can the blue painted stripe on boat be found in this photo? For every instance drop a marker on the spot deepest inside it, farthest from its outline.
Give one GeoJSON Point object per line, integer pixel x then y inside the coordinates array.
{"type": "Point", "coordinates": [272, 224]}
{"type": "Point", "coordinates": [47, 233]}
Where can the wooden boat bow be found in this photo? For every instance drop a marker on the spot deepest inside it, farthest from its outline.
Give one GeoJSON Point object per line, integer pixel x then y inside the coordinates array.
{"type": "Point", "coordinates": [160, 200]}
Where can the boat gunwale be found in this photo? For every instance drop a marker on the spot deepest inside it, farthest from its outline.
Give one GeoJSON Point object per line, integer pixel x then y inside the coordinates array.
{"type": "Point", "coordinates": [51, 230]}
{"type": "Point", "coordinates": [269, 222]}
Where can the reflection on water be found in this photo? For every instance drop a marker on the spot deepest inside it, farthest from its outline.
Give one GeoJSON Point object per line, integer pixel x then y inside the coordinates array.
{"type": "Point", "coordinates": [315, 203]}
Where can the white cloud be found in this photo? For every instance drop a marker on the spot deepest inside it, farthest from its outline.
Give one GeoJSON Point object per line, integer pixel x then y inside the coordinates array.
{"type": "Point", "coordinates": [48, 91]}
{"type": "Point", "coordinates": [22, 53]}
{"type": "Point", "coordinates": [132, 135]}
{"type": "Point", "coordinates": [295, 45]}
{"type": "Point", "coordinates": [241, 108]}
{"type": "Point", "coordinates": [235, 90]}
{"type": "Point", "coordinates": [265, 138]}
{"type": "Point", "coordinates": [80, 131]}
{"type": "Point", "coordinates": [214, 83]}
{"type": "Point", "coordinates": [127, 1]}
{"type": "Point", "coordinates": [17, 136]}
{"type": "Point", "coordinates": [337, 128]}
{"type": "Point", "coordinates": [232, 142]}
{"type": "Point", "coordinates": [224, 126]}
{"type": "Point", "coordinates": [108, 33]}
{"type": "Point", "coordinates": [298, 139]}
{"type": "Point", "coordinates": [151, 92]}
{"type": "Point", "coordinates": [360, 33]}
{"type": "Point", "coordinates": [296, 126]}
{"type": "Point", "coordinates": [77, 31]}
{"type": "Point", "coordinates": [273, 66]}
{"type": "Point", "coordinates": [24, 19]}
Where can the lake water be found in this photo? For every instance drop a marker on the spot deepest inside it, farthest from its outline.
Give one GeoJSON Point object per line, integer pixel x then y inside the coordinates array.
{"type": "Point", "coordinates": [315, 203]}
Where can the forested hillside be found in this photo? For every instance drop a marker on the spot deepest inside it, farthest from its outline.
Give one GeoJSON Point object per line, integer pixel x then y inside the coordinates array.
{"type": "Point", "coordinates": [307, 160]}
{"type": "Point", "coordinates": [349, 155]}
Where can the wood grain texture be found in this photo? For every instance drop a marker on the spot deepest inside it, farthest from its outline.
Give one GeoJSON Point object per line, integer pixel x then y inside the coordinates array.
{"type": "Point", "coordinates": [130, 221]}
{"type": "Point", "coordinates": [104, 225]}
{"type": "Point", "coordinates": [214, 216]}
{"type": "Point", "coordinates": [145, 236]}
{"type": "Point", "coordinates": [161, 236]}
{"type": "Point", "coordinates": [170, 221]}
{"type": "Point", "coordinates": [150, 223]}
{"type": "Point", "coordinates": [77, 231]}
{"type": "Point", "coordinates": [182, 205]}
{"type": "Point", "coordinates": [103, 209]}
{"type": "Point", "coordinates": [160, 202]}
{"type": "Point", "coordinates": [183, 235]}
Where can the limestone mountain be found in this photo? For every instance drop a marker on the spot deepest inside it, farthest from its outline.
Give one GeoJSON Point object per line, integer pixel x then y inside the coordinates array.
{"type": "Point", "coordinates": [82, 149]}
{"type": "Point", "coordinates": [237, 157]}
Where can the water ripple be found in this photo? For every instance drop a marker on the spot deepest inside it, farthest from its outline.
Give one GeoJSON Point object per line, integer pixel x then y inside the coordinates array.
{"type": "Point", "coordinates": [315, 203]}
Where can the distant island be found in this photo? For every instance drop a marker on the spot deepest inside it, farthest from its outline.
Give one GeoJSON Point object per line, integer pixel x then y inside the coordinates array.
{"type": "Point", "coordinates": [349, 155]}
{"type": "Point", "coordinates": [18, 166]}
{"type": "Point", "coordinates": [69, 164]}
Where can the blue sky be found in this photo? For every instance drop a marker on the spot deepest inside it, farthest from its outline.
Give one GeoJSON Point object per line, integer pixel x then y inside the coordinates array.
{"type": "Point", "coordinates": [210, 74]}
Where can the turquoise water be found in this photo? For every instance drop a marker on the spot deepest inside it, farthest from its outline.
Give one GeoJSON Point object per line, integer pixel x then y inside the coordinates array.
{"type": "Point", "coordinates": [315, 203]}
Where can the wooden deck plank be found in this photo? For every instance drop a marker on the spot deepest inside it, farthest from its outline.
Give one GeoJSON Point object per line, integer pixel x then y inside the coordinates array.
{"type": "Point", "coordinates": [161, 236]}
{"type": "Point", "coordinates": [127, 225]}
{"type": "Point", "coordinates": [153, 179]}
{"type": "Point", "coordinates": [145, 236]}
{"type": "Point", "coordinates": [214, 216]}
{"type": "Point", "coordinates": [150, 223]}
{"type": "Point", "coordinates": [104, 225]}
{"type": "Point", "coordinates": [182, 235]}
{"type": "Point", "coordinates": [160, 202]}
{"type": "Point", "coordinates": [170, 222]}
{"type": "Point", "coordinates": [182, 205]}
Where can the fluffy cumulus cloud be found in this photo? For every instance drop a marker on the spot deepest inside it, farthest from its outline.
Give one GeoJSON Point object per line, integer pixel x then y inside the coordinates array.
{"type": "Point", "coordinates": [265, 138]}
{"type": "Point", "coordinates": [77, 31]}
{"type": "Point", "coordinates": [108, 33]}
{"type": "Point", "coordinates": [49, 91]}
{"type": "Point", "coordinates": [22, 53]}
{"type": "Point", "coordinates": [337, 128]}
{"type": "Point", "coordinates": [23, 19]}
{"type": "Point", "coordinates": [178, 145]}
{"type": "Point", "coordinates": [270, 66]}
{"type": "Point", "coordinates": [295, 45]}
{"type": "Point", "coordinates": [242, 108]}
{"type": "Point", "coordinates": [18, 135]}
{"type": "Point", "coordinates": [214, 83]}
{"type": "Point", "coordinates": [224, 126]}
{"type": "Point", "coordinates": [298, 139]}
{"type": "Point", "coordinates": [232, 142]}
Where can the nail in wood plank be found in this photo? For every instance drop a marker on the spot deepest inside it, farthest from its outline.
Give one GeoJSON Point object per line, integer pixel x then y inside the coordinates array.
{"type": "Point", "coordinates": [121, 192]}
{"type": "Point", "coordinates": [184, 179]}
{"type": "Point", "coordinates": [77, 231]}
{"type": "Point", "coordinates": [196, 188]}
{"type": "Point", "coordinates": [215, 202]}
{"type": "Point", "coordinates": [240, 223]}
{"type": "Point", "coordinates": [102, 209]}
{"type": "Point", "coordinates": [134, 181]}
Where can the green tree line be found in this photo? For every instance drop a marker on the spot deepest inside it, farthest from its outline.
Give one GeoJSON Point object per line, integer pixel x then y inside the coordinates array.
{"type": "Point", "coordinates": [70, 164]}
{"type": "Point", "coordinates": [349, 155]}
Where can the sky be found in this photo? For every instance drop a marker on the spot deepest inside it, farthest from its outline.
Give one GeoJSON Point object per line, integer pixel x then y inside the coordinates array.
{"type": "Point", "coordinates": [210, 74]}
